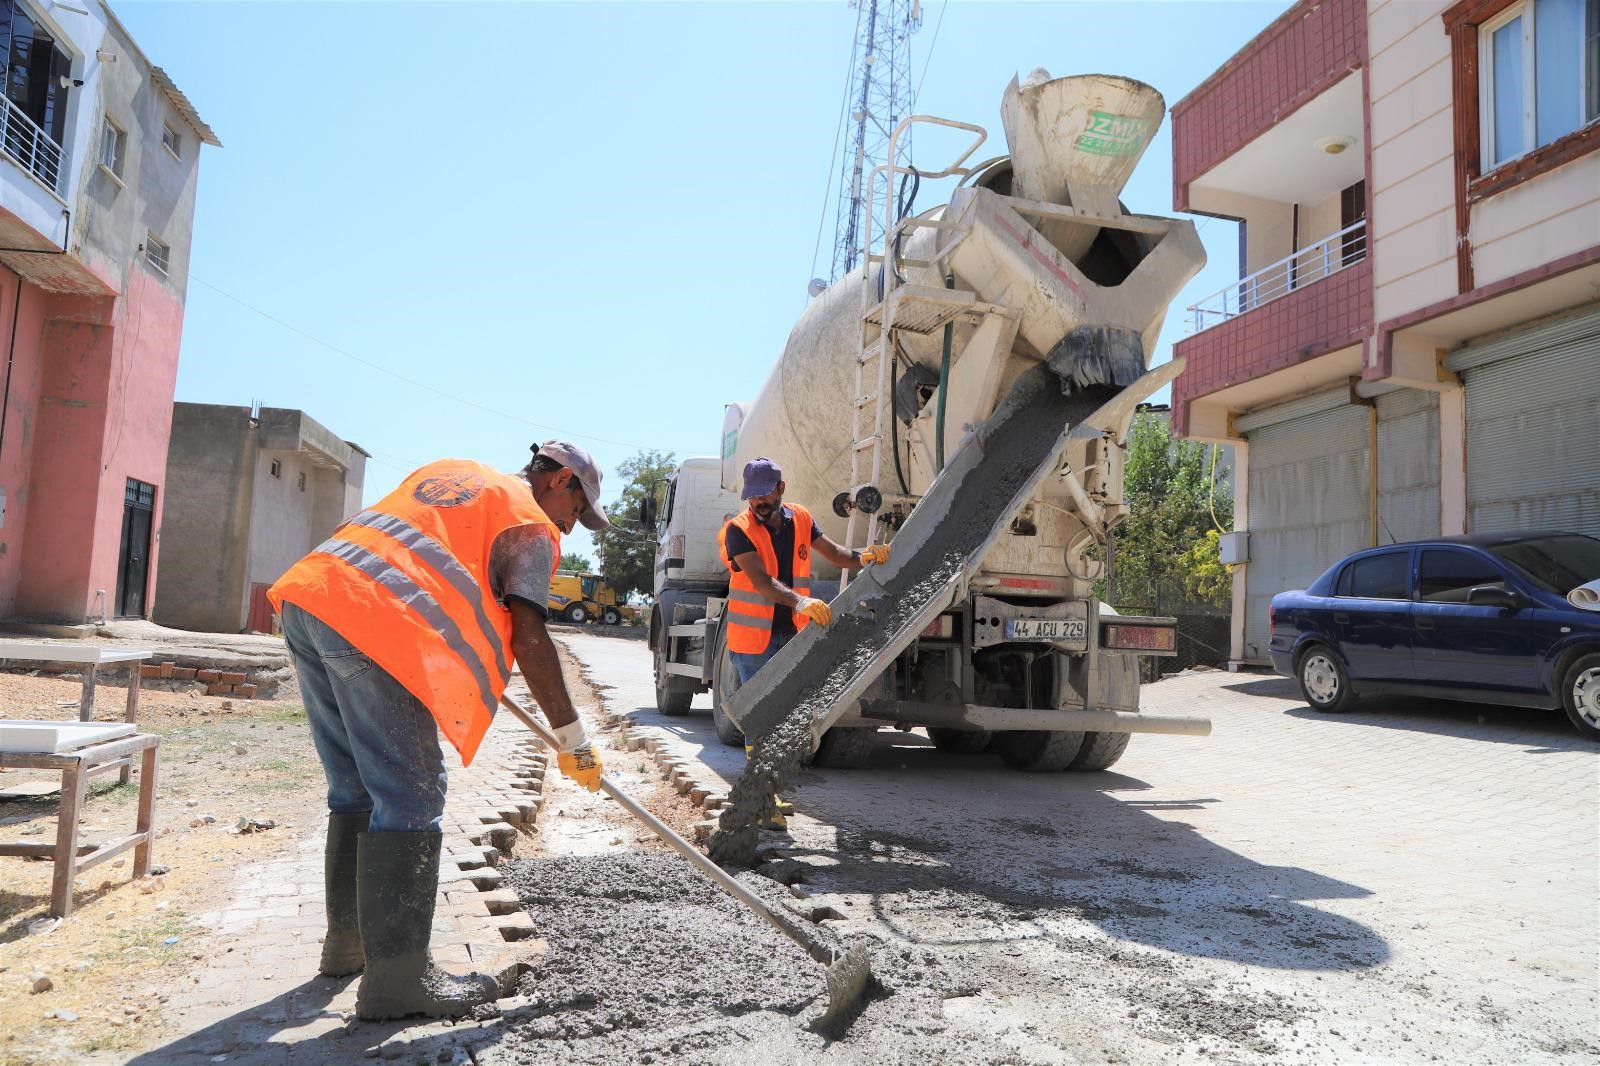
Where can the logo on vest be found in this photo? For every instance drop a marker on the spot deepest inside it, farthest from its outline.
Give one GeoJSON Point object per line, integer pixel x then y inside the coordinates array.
{"type": "Point", "coordinates": [449, 491]}
{"type": "Point", "coordinates": [804, 552]}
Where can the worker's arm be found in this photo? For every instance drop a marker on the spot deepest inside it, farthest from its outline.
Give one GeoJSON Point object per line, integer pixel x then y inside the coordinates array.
{"type": "Point", "coordinates": [541, 669]}
{"type": "Point", "coordinates": [846, 559]}
{"type": "Point", "coordinates": [765, 583]}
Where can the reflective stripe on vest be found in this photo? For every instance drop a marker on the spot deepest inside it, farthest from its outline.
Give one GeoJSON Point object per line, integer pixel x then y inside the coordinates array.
{"type": "Point", "coordinates": [407, 582]}
{"type": "Point", "coordinates": [750, 615]}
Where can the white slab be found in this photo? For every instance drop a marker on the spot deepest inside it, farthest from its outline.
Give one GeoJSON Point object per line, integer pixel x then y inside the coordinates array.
{"type": "Point", "coordinates": [47, 738]}
{"type": "Point", "coordinates": [46, 652]}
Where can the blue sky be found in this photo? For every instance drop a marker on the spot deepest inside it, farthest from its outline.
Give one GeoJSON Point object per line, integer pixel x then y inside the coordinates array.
{"type": "Point", "coordinates": [590, 220]}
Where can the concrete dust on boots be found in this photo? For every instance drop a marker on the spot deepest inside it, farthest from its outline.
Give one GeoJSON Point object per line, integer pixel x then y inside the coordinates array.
{"type": "Point", "coordinates": [1021, 435]}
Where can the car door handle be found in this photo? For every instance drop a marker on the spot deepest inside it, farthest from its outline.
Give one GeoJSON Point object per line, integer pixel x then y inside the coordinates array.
{"type": "Point", "coordinates": [1341, 617]}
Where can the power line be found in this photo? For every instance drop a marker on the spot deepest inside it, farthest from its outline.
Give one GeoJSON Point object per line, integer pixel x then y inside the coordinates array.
{"type": "Point", "coordinates": [413, 381]}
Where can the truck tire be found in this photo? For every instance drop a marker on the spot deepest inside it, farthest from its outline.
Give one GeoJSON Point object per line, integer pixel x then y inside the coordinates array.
{"type": "Point", "coordinates": [960, 741]}
{"type": "Point", "coordinates": [724, 683]}
{"type": "Point", "coordinates": [1100, 751]}
{"type": "Point", "coordinates": [1039, 751]}
{"type": "Point", "coordinates": [670, 697]}
{"type": "Point", "coordinates": [845, 749]}
{"type": "Point", "coordinates": [611, 617]}
{"type": "Point", "coordinates": [576, 613]}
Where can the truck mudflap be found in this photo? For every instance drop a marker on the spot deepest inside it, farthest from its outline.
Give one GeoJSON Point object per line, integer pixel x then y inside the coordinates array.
{"type": "Point", "coordinates": [824, 671]}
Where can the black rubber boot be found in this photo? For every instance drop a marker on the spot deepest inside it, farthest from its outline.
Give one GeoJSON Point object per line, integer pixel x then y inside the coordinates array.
{"type": "Point", "coordinates": [341, 948]}
{"type": "Point", "coordinates": [397, 878]}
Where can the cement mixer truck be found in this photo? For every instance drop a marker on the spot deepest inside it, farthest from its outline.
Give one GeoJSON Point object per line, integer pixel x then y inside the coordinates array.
{"type": "Point", "coordinates": [965, 394]}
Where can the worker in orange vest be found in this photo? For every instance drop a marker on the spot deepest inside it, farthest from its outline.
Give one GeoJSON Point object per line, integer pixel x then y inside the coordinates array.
{"type": "Point", "coordinates": [404, 624]}
{"type": "Point", "coordinates": [767, 549]}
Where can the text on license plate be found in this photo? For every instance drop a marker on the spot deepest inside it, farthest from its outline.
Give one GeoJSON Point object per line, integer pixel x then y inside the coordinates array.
{"type": "Point", "coordinates": [1044, 629]}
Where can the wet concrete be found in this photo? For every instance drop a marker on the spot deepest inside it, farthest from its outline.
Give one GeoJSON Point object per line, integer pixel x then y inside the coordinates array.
{"type": "Point", "coordinates": [950, 525]}
{"type": "Point", "coordinates": [649, 962]}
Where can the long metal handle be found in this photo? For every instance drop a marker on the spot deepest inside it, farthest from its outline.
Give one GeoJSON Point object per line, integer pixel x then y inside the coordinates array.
{"type": "Point", "coordinates": [680, 845]}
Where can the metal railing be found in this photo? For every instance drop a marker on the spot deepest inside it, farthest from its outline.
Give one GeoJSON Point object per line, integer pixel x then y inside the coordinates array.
{"type": "Point", "coordinates": [31, 147]}
{"type": "Point", "coordinates": [1294, 271]}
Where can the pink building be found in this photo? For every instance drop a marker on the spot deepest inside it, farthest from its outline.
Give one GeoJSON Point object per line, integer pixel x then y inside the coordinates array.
{"type": "Point", "coordinates": [99, 158]}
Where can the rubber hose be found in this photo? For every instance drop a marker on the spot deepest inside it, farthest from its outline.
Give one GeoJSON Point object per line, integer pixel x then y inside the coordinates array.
{"type": "Point", "coordinates": [944, 377]}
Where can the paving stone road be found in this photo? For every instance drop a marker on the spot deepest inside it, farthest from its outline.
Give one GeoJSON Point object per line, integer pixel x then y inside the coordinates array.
{"type": "Point", "coordinates": [1415, 881]}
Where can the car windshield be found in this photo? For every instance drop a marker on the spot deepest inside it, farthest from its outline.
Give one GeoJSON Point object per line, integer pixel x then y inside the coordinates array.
{"type": "Point", "coordinates": [1558, 564]}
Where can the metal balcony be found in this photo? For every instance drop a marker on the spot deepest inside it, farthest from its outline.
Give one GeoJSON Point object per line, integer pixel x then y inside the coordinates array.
{"type": "Point", "coordinates": [31, 147]}
{"type": "Point", "coordinates": [1294, 271]}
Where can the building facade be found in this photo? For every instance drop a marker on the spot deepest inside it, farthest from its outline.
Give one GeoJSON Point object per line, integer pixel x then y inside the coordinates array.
{"type": "Point", "coordinates": [248, 494]}
{"type": "Point", "coordinates": [99, 159]}
{"type": "Point", "coordinates": [1413, 347]}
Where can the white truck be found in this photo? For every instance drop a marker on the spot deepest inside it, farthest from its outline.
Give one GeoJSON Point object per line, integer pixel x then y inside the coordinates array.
{"type": "Point", "coordinates": [965, 394]}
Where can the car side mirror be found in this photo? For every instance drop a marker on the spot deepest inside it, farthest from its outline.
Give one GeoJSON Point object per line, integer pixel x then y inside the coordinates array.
{"type": "Point", "coordinates": [1493, 596]}
{"type": "Point", "coordinates": [647, 513]}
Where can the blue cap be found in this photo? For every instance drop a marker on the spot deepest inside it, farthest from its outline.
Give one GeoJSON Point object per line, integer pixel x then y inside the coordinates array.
{"type": "Point", "coordinates": [761, 476]}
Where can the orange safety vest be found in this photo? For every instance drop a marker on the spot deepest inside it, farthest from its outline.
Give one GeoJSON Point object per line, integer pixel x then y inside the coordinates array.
{"type": "Point", "coordinates": [407, 583]}
{"type": "Point", "coordinates": [750, 614]}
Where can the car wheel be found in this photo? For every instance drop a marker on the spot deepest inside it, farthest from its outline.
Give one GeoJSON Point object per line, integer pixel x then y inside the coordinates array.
{"type": "Point", "coordinates": [576, 614]}
{"type": "Point", "coordinates": [1324, 681]}
{"type": "Point", "coordinates": [611, 617]}
{"type": "Point", "coordinates": [1581, 694]}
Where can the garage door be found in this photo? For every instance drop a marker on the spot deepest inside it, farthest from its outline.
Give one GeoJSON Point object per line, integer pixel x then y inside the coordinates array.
{"type": "Point", "coordinates": [1533, 428]}
{"type": "Point", "coordinates": [1308, 506]}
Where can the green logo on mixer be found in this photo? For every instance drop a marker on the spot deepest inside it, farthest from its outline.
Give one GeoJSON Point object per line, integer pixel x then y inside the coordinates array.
{"type": "Point", "coordinates": [730, 441]}
{"type": "Point", "coordinates": [1113, 134]}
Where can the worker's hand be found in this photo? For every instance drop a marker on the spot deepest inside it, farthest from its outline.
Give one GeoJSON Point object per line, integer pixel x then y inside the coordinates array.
{"type": "Point", "coordinates": [575, 755]}
{"type": "Point", "coordinates": [582, 765]}
{"type": "Point", "coordinates": [815, 610]}
{"type": "Point", "coordinates": [875, 553]}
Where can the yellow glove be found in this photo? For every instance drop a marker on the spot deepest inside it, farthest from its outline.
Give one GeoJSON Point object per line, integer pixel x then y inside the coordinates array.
{"type": "Point", "coordinates": [575, 756]}
{"type": "Point", "coordinates": [875, 553]}
{"type": "Point", "coordinates": [815, 610]}
{"type": "Point", "coordinates": [582, 765]}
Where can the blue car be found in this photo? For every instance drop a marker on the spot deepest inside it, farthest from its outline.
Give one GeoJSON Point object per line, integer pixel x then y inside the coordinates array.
{"type": "Point", "coordinates": [1482, 617]}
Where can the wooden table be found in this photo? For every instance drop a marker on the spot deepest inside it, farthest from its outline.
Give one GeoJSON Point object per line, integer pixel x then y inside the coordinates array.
{"type": "Point", "coordinates": [91, 657]}
{"type": "Point", "coordinates": [76, 767]}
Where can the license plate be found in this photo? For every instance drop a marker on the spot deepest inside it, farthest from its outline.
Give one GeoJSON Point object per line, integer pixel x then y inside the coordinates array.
{"type": "Point", "coordinates": [1047, 629]}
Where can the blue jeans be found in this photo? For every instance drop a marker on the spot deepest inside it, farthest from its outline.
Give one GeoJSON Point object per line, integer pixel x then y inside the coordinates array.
{"type": "Point", "coordinates": [378, 744]}
{"type": "Point", "coordinates": [747, 665]}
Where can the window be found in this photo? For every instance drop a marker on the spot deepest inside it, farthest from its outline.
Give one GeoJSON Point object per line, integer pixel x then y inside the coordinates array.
{"type": "Point", "coordinates": [276, 469]}
{"type": "Point", "coordinates": [158, 253]}
{"type": "Point", "coordinates": [1353, 209]}
{"type": "Point", "coordinates": [1377, 577]}
{"type": "Point", "coordinates": [171, 141]}
{"type": "Point", "coordinates": [1538, 77]}
{"type": "Point", "coordinates": [1447, 576]}
{"type": "Point", "coordinates": [113, 147]}
{"type": "Point", "coordinates": [139, 493]}
{"type": "Point", "coordinates": [1558, 564]}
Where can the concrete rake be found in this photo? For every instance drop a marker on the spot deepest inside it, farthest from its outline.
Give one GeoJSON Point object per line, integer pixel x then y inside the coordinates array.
{"type": "Point", "coordinates": [849, 974]}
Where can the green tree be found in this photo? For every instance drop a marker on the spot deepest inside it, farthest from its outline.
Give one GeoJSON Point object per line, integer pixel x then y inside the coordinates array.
{"type": "Point", "coordinates": [1169, 540]}
{"type": "Point", "coordinates": [578, 563]}
{"type": "Point", "coordinates": [627, 551]}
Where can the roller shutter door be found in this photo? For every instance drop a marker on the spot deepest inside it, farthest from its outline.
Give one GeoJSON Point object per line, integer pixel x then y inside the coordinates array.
{"type": "Point", "coordinates": [1533, 428]}
{"type": "Point", "coordinates": [1309, 506]}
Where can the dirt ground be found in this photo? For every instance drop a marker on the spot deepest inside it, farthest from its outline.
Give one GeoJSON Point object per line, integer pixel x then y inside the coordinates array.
{"type": "Point", "coordinates": [127, 946]}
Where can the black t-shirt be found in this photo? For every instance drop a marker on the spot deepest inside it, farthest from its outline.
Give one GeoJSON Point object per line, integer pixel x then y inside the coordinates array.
{"type": "Point", "coordinates": [783, 546]}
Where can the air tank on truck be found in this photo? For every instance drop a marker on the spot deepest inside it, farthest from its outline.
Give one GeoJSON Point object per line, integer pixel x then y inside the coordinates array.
{"type": "Point", "coordinates": [964, 394]}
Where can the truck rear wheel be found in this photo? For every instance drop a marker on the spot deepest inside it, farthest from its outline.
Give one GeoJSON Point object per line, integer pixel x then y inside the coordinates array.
{"type": "Point", "coordinates": [1039, 751]}
{"type": "Point", "coordinates": [845, 749]}
{"type": "Point", "coordinates": [1100, 751]}
{"type": "Point", "coordinates": [670, 697]}
{"type": "Point", "coordinates": [960, 741]}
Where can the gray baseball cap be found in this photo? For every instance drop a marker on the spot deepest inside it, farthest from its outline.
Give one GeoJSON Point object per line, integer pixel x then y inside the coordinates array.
{"type": "Point", "coordinates": [587, 471]}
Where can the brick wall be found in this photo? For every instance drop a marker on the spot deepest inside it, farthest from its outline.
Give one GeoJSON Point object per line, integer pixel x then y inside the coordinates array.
{"type": "Point", "coordinates": [1329, 314]}
{"type": "Point", "coordinates": [1301, 53]}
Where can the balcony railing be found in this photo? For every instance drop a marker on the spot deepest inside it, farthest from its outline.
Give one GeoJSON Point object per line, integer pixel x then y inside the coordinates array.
{"type": "Point", "coordinates": [31, 146]}
{"type": "Point", "coordinates": [1311, 263]}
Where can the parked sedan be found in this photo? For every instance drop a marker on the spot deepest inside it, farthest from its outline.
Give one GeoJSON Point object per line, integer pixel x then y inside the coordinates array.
{"type": "Point", "coordinates": [1482, 617]}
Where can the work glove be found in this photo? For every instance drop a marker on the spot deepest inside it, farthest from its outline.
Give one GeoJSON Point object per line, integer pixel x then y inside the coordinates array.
{"type": "Point", "coordinates": [575, 756]}
{"type": "Point", "coordinates": [875, 553]}
{"type": "Point", "coordinates": [815, 610]}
